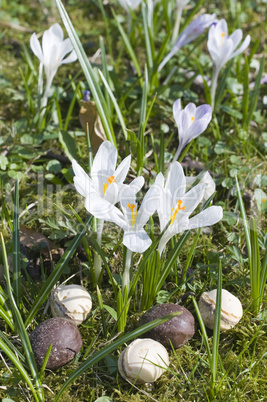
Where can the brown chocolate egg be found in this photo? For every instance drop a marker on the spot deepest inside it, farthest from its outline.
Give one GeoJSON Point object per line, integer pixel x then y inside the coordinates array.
{"type": "Point", "coordinates": [65, 337]}
{"type": "Point", "coordinates": [176, 331]}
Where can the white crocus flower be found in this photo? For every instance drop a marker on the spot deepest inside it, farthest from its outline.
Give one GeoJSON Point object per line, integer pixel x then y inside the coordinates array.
{"type": "Point", "coordinates": [176, 205]}
{"type": "Point", "coordinates": [106, 181]}
{"type": "Point", "coordinates": [191, 122]}
{"type": "Point", "coordinates": [222, 48]}
{"type": "Point", "coordinates": [53, 51]}
{"type": "Point", "coordinates": [130, 4]}
{"type": "Point", "coordinates": [130, 219]}
{"type": "Point", "coordinates": [205, 179]}
{"type": "Point", "coordinates": [191, 32]}
{"type": "Point", "coordinates": [103, 188]}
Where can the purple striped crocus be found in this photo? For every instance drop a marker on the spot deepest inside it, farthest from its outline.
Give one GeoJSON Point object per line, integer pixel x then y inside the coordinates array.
{"type": "Point", "coordinates": [191, 122]}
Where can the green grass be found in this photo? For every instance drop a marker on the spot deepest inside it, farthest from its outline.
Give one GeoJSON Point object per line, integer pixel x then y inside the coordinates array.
{"type": "Point", "coordinates": [135, 106]}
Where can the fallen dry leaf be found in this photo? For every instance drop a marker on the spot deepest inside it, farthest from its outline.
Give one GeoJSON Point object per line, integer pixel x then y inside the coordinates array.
{"type": "Point", "coordinates": [89, 116]}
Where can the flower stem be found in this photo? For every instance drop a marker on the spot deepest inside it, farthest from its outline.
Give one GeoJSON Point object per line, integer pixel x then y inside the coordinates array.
{"type": "Point", "coordinates": [177, 154]}
{"type": "Point", "coordinates": [97, 260]}
{"type": "Point", "coordinates": [126, 272]}
{"type": "Point", "coordinates": [177, 25]}
{"type": "Point", "coordinates": [214, 86]}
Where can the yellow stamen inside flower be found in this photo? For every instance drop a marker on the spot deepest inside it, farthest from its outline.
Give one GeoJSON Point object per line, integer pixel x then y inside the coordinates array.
{"type": "Point", "coordinates": [111, 179]}
{"type": "Point", "coordinates": [175, 210]}
{"type": "Point", "coordinates": [223, 35]}
{"type": "Point", "coordinates": [192, 118]}
{"type": "Point", "coordinates": [264, 199]}
{"type": "Point", "coordinates": [133, 212]}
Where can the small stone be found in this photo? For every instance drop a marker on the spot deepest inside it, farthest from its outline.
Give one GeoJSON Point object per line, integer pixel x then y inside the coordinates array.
{"type": "Point", "coordinates": [231, 309]}
{"type": "Point", "coordinates": [72, 302]}
{"type": "Point", "coordinates": [178, 330]}
{"type": "Point", "coordinates": [65, 337]}
{"type": "Point", "coordinates": [143, 361]}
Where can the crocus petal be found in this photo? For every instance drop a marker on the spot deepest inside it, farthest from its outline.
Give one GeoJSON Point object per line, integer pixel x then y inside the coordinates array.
{"type": "Point", "coordinates": [236, 37]}
{"type": "Point", "coordinates": [49, 45]}
{"type": "Point", "coordinates": [137, 184]}
{"type": "Point", "coordinates": [82, 181]}
{"type": "Point", "coordinates": [71, 58]}
{"type": "Point", "coordinates": [122, 169]}
{"type": "Point", "coordinates": [65, 48]}
{"type": "Point", "coordinates": [138, 242]}
{"type": "Point", "coordinates": [84, 187]}
{"type": "Point", "coordinates": [36, 47]}
{"type": "Point", "coordinates": [191, 200]}
{"type": "Point", "coordinates": [102, 209]}
{"type": "Point", "coordinates": [149, 205]}
{"type": "Point", "coordinates": [160, 179]}
{"type": "Point", "coordinates": [243, 47]}
{"type": "Point", "coordinates": [176, 109]}
{"type": "Point", "coordinates": [132, 4]}
{"type": "Point", "coordinates": [105, 158]}
{"type": "Point", "coordinates": [57, 31]}
{"type": "Point", "coordinates": [175, 181]}
{"type": "Point", "coordinates": [196, 129]}
{"type": "Point", "coordinates": [207, 180]}
{"type": "Point", "coordinates": [103, 165]}
{"type": "Point", "coordinates": [112, 193]}
{"type": "Point", "coordinates": [208, 217]}
{"type": "Point", "coordinates": [203, 111]}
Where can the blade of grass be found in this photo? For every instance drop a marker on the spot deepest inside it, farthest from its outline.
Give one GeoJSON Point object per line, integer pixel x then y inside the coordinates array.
{"type": "Point", "coordinates": [115, 104]}
{"type": "Point", "coordinates": [101, 307]}
{"type": "Point", "coordinates": [216, 328]}
{"type": "Point", "coordinates": [203, 331]}
{"type": "Point", "coordinates": [42, 370]}
{"type": "Point", "coordinates": [245, 92]}
{"type": "Point", "coordinates": [255, 268]}
{"type": "Point", "coordinates": [263, 278]}
{"type": "Point", "coordinates": [108, 27]}
{"type": "Point", "coordinates": [244, 218]}
{"type": "Point", "coordinates": [172, 259]}
{"type": "Point", "coordinates": [89, 74]}
{"type": "Point", "coordinates": [21, 327]}
{"type": "Point", "coordinates": [71, 106]}
{"type": "Point", "coordinates": [16, 248]}
{"type": "Point", "coordinates": [4, 314]}
{"type": "Point", "coordinates": [20, 367]}
{"type": "Point", "coordinates": [12, 347]}
{"type": "Point", "coordinates": [6, 309]}
{"type": "Point", "coordinates": [105, 71]}
{"type": "Point", "coordinates": [128, 46]}
{"type": "Point", "coordinates": [142, 125]}
{"type": "Point", "coordinates": [149, 44]}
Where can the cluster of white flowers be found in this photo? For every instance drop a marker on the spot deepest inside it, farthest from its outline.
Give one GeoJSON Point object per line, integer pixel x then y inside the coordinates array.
{"type": "Point", "coordinates": [167, 196]}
